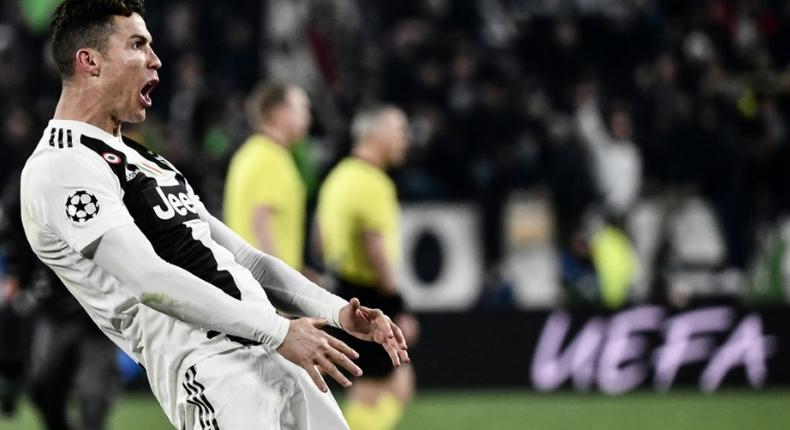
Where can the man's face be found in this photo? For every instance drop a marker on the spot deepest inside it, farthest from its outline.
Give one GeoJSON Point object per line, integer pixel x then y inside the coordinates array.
{"type": "Point", "coordinates": [128, 69]}
{"type": "Point", "coordinates": [393, 130]}
{"type": "Point", "coordinates": [296, 114]}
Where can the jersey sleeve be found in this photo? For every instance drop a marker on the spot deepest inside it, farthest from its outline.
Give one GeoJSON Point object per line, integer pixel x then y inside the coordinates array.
{"type": "Point", "coordinates": [376, 207]}
{"type": "Point", "coordinates": [78, 197]}
{"type": "Point", "coordinates": [267, 180]}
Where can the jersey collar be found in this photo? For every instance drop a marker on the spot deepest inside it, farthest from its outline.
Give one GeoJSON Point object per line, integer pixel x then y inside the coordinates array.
{"type": "Point", "coordinates": [84, 128]}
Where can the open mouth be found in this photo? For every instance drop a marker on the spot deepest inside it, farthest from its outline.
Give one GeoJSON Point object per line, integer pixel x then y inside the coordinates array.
{"type": "Point", "coordinates": [145, 92]}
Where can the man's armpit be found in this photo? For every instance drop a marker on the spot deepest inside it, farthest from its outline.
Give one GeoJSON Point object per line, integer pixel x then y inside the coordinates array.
{"type": "Point", "coordinates": [90, 250]}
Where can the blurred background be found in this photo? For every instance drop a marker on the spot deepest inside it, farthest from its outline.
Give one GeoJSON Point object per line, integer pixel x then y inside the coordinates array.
{"type": "Point", "coordinates": [594, 207]}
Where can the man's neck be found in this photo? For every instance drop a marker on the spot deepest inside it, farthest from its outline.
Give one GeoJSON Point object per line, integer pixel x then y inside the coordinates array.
{"type": "Point", "coordinates": [76, 104]}
{"type": "Point", "coordinates": [370, 156]}
{"type": "Point", "coordinates": [275, 134]}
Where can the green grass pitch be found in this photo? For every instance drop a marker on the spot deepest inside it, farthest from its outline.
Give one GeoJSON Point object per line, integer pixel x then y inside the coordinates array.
{"type": "Point", "coordinates": [472, 410]}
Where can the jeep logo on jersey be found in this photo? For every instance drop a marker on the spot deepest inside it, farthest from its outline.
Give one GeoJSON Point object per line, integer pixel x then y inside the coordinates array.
{"type": "Point", "coordinates": [81, 206]}
{"type": "Point", "coordinates": [172, 204]}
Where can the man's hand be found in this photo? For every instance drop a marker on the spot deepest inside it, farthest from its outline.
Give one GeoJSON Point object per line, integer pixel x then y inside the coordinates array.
{"type": "Point", "coordinates": [311, 348]}
{"type": "Point", "coordinates": [372, 325]}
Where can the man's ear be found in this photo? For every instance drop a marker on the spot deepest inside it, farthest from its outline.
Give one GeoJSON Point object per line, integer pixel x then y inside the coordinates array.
{"type": "Point", "coordinates": [89, 61]}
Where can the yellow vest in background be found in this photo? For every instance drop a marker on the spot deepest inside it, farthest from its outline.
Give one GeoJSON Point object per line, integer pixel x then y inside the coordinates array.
{"type": "Point", "coordinates": [357, 197]}
{"type": "Point", "coordinates": [263, 173]}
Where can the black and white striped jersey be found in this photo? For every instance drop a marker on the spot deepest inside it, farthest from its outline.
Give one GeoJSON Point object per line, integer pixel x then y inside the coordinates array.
{"type": "Point", "coordinates": [79, 183]}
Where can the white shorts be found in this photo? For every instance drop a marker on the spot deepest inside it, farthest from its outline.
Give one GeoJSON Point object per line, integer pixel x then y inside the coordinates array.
{"type": "Point", "coordinates": [253, 388]}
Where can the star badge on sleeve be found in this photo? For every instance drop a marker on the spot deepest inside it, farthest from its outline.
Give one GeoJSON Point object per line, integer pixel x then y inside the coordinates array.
{"type": "Point", "coordinates": [82, 206]}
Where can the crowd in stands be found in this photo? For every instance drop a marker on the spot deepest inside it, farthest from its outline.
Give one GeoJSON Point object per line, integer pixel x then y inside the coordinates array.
{"type": "Point", "coordinates": [604, 103]}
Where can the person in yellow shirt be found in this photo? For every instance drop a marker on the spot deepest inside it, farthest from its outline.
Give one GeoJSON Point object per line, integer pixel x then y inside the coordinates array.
{"type": "Point", "coordinates": [265, 197]}
{"type": "Point", "coordinates": [357, 234]}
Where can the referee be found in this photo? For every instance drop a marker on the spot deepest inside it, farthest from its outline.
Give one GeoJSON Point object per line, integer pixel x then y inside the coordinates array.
{"type": "Point", "coordinates": [357, 233]}
{"type": "Point", "coordinates": [265, 196]}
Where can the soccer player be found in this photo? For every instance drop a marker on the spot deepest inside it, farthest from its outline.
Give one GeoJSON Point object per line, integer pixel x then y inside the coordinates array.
{"type": "Point", "coordinates": [265, 198]}
{"type": "Point", "coordinates": [171, 285]}
{"type": "Point", "coordinates": [357, 218]}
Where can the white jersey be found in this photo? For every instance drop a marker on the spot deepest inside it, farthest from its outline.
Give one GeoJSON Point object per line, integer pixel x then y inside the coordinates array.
{"type": "Point", "coordinates": [79, 183]}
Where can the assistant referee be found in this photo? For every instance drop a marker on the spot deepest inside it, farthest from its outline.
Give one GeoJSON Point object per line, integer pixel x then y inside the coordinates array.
{"type": "Point", "coordinates": [358, 236]}
{"type": "Point", "coordinates": [265, 196]}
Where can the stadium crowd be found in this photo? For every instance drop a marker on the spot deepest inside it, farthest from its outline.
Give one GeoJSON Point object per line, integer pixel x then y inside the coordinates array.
{"type": "Point", "coordinates": [690, 99]}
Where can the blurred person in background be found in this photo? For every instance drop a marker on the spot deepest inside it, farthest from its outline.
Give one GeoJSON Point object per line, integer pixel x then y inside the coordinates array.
{"type": "Point", "coordinates": [616, 168]}
{"type": "Point", "coordinates": [265, 197]}
{"type": "Point", "coordinates": [357, 236]}
{"type": "Point", "coordinates": [617, 164]}
{"type": "Point", "coordinates": [69, 354]}
{"type": "Point", "coordinates": [14, 333]}
{"type": "Point", "coordinates": [16, 131]}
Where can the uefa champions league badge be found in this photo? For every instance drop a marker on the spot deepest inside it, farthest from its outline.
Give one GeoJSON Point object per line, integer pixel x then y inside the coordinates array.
{"type": "Point", "coordinates": [82, 206]}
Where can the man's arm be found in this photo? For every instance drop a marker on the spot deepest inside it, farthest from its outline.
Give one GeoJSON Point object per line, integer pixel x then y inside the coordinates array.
{"type": "Point", "coordinates": [292, 292]}
{"type": "Point", "coordinates": [262, 228]}
{"type": "Point", "coordinates": [374, 248]}
{"type": "Point", "coordinates": [287, 289]}
{"type": "Point", "coordinates": [262, 225]}
{"type": "Point", "coordinates": [174, 291]}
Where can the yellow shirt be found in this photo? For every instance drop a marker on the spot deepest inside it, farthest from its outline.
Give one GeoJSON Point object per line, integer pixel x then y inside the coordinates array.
{"type": "Point", "coordinates": [357, 197]}
{"type": "Point", "coordinates": [263, 173]}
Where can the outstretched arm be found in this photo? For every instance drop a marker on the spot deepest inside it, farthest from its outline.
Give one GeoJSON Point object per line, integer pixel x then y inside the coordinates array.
{"type": "Point", "coordinates": [286, 288]}
{"type": "Point", "coordinates": [290, 291]}
{"type": "Point", "coordinates": [174, 291]}
{"type": "Point", "coordinates": [110, 236]}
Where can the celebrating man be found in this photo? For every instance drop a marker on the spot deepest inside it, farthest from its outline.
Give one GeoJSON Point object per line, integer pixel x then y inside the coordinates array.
{"type": "Point", "coordinates": [167, 282]}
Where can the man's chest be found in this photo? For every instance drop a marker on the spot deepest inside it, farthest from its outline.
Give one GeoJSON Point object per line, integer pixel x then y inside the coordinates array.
{"type": "Point", "coordinates": [157, 198]}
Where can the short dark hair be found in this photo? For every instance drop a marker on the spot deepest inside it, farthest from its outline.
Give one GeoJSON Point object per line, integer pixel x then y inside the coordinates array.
{"type": "Point", "coordinates": [264, 99]}
{"type": "Point", "coordinates": [78, 24]}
